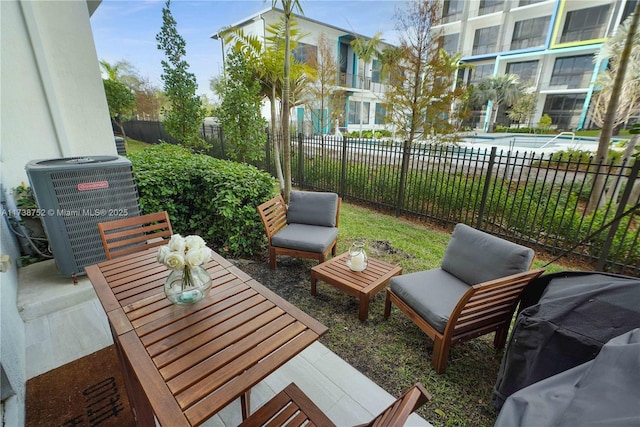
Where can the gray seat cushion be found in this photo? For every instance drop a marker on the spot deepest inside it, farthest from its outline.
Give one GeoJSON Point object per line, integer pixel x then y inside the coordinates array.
{"type": "Point", "coordinates": [433, 294]}
{"type": "Point", "coordinates": [313, 208]}
{"type": "Point", "coordinates": [310, 238]}
{"type": "Point", "coordinates": [474, 256]}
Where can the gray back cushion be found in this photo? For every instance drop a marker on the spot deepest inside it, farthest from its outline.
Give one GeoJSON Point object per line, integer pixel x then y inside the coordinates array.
{"type": "Point", "coordinates": [475, 257]}
{"type": "Point", "coordinates": [313, 208]}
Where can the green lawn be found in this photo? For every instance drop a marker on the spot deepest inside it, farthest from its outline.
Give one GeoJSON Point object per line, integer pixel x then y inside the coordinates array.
{"type": "Point", "coordinates": [394, 353]}
{"type": "Point", "coordinates": [133, 146]}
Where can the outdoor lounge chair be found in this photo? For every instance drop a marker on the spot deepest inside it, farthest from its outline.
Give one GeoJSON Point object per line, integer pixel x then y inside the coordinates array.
{"type": "Point", "coordinates": [474, 292]}
{"type": "Point", "coordinates": [307, 228]}
{"type": "Point", "coordinates": [132, 234]}
{"type": "Point", "coordinates": [293, 408]}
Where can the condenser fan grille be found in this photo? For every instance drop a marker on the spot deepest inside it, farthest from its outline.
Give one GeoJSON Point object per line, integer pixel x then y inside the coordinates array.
{"type": "Point", "coordinates": [118, 200]}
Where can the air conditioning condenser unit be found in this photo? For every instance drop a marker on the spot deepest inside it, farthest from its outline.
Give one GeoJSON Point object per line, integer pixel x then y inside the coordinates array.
{"type": "Point", "coordinates": [73, 195]}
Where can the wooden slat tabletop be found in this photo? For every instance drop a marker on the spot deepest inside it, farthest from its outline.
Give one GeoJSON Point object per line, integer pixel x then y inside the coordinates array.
{"type": "Point", "coordinates": [196, 359]}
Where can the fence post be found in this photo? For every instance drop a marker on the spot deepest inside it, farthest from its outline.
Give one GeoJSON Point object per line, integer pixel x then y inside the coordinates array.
{"type": "Point", "coordinates": [606, 248]}
{"type": "Point", "coordinates": [343, 166]}
{"type": "Point", "coordinates": [485, 190]}
{"type": "Point", "coordinates": [406, 148]}
{"type": "Point", "coordinates": [300, 162]}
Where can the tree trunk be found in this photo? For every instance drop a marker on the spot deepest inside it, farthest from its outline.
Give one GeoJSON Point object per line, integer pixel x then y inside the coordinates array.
{"type": "Point", "coordinates": [275, 139]}
{"type": "Point", "coordinates": [612, 193]}
{"type": "Point", "coordinates": [285, 113]}
{"type": "Point", "coordinates": [595, 201]}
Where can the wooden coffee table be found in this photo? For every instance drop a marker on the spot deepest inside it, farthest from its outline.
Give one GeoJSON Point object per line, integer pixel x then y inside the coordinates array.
{"type": "Point", "coordinates": [361, 284]}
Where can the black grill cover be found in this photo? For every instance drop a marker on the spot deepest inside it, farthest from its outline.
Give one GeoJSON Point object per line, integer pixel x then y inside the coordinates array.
{"type": "Point", "coordinates": [602, 392]}
{"type": "Point", "coordinates": [575, 315]}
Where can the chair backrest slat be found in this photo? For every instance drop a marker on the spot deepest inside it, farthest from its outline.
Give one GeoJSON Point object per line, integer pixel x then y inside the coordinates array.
{"type": "Point", "coordinates": [489, 303]}
{"type": "Point", "coordinates": [274, 215]}
{"type": "Point", "coordinates": [124, 236]}
{"type": "Point", "coordinates": [397, 413]}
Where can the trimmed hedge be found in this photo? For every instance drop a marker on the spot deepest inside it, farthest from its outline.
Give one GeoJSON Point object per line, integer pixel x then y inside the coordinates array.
{"type": "Point", "coordinates": [215, 199]}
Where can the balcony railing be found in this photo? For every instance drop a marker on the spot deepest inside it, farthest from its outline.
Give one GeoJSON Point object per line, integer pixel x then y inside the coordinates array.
{"type": "Point", "coordinates": [358, 81]}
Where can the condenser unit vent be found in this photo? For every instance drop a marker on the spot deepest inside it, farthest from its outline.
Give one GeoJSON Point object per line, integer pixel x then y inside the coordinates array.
{"type": "Point", "coordinates": [73, 195]}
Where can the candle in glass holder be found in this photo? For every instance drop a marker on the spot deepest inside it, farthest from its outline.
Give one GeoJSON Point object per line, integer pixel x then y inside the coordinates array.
{"type": "Point", "coordinates": [357, 260]}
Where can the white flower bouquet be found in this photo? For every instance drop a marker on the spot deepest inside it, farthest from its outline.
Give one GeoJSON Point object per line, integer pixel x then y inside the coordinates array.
{"type": "Point", "coordinates": [183, 253]}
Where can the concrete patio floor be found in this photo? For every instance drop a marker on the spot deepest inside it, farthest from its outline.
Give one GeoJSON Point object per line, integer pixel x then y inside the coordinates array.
{"type": "Point", "coordinates": [65, 321]}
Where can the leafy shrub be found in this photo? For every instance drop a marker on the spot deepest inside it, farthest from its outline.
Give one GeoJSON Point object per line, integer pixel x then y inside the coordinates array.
{"type": "Point", "coordinates": [213, 198]}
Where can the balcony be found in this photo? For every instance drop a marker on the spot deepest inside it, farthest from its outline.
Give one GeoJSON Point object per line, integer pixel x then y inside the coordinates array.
{"type": "Point", "coordinates": [360, 82]}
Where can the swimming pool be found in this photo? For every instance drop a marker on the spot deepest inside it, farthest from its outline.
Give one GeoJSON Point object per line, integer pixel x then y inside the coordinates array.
{"type": "Point", "coordinates": [529, 143]}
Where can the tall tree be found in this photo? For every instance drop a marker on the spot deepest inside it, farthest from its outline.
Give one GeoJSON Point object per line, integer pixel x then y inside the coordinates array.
{"type": "Point", "coordinates": [120, 100]}
{"type": "Point", "coordinates": [267, 61]}
{"type": "Point", "coordinates": [523, 109]}
{"type": "Point", "coordinates": [239, 112]}
{"type": "Point", "coordinates": [288, 6]}
{"type": "Point", "coordinates": [629, 99]}
{"type": "Point", "coordinates": [620, 67]}
{"type": "Point", "coordinates": [498, 90]}
{"type": "Point", "coordinates": [148, 98]}
{"type": "Point", "coordinates": [327, 101]}
{"type": "Point", "coordinates": [184, 118]}
{"type": "Point", "coordinates": [421, 87]}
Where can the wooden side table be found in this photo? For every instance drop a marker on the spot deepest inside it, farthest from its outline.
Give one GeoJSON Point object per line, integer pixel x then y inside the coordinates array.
{"type": "Point", "coordinates": [361, 284]}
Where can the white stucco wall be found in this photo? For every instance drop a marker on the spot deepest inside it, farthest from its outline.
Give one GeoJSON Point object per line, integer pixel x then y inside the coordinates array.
{"type": "Point", "coordinates": [52, 104]}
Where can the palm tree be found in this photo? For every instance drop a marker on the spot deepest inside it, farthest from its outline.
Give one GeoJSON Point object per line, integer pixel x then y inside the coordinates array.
{"type": "Point", "coordinates": [288, 6]}
{"type": "Point", "coordinates": [267, 60]}
{"type": "Point", "coordinates": [112, 71]}
{"type": "Point", "coordinates": [607, 127]}
{"type": "Point", "coordinates": [499, 90]}
{"type": "Point", "coordinates": [366, 50]}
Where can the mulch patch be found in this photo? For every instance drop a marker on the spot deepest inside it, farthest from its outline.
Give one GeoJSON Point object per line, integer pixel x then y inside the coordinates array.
{"type": "Point", "coordinates": [86, 392]}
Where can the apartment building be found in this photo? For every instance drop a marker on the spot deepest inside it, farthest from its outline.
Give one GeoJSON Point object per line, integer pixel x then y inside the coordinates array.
{"type": "Point", "coordinates": [361, 83]}
{"type": "Point", "coordinates": [549, 44]}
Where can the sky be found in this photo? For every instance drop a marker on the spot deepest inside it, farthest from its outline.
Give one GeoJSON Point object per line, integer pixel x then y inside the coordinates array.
{"type": "Point", "coordinates": [126, 29]}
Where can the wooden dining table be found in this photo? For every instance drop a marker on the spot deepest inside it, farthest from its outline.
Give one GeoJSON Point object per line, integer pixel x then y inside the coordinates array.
{"type": "Point", "coordinates": [184, 363]}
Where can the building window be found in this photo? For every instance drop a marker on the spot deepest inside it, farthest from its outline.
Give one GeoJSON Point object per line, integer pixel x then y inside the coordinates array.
{"type": "Point", "coordinates": [628, 9]}
{"type": "Point", "coordinates": [452, 10]}
{"type": "Point", "coordinates": [490, 6]}
{"type": "Point", "coordinates": [381, 114]}
{"type": "Point", "coordinates": [450, 43]}
{"type": "Point", "coordinates": [305, 53]}
{"type": "Point", "coordinates": [480, 72]}
{"type": "Point", "coordinates": [526, 71]}
{"type": "Point", "coordinates": [376, 71]}
{"type": "Point", "coordinates": [354, 112]}
{"type": "Point", "coordinates": [564, 110]}
{"type": "Point", "coordinates": [585, 24]}
{"type": "Point", "coordinates": [485, 40]}
{"type": "Point", "coordinates": [530, 33]}
{"type": "Point", "coordinates": [572, 72]}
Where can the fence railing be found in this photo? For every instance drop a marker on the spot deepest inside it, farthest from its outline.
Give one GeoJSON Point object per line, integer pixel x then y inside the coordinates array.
{"type": "Point", "coordinates": [534, 199]}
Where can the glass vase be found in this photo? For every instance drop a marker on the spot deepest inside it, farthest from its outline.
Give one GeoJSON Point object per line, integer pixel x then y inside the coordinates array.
{"type": "Point", "coordinates": [188, 285]}
{"type": "Point", "coordinates": [357, 259]}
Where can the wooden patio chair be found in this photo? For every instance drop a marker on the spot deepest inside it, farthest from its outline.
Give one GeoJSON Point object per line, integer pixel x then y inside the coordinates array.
{"type": "Point", "coordinates": [292, 407]}
{"type": "Point", "coordinates": [132, 234]}
{"type": "Point", "coordinates": [473, 293]}
{"type": "Point", "coordinates": [307, 228]}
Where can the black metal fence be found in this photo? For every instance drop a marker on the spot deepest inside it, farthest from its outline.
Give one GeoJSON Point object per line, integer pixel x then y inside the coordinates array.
{"type": "Point", "coordinates": [537, 200]}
